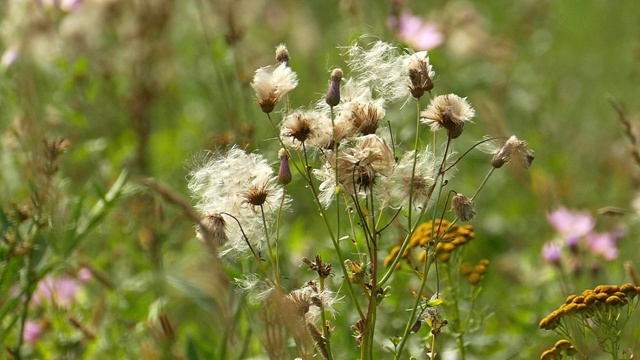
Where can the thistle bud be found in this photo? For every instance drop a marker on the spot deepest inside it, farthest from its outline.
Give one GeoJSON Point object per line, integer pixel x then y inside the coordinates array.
{"type": "Point", "coordinates": [282, 54]}
{"type": "Point", "coordinates": [463, 207]}
{"type": "Point", "coordinates": [284, 174]}
{"type": "Point", "coordinates": [212, 231]}
{"type": "Point", "coordinates": [333, 95]}
{"type": "Point", "coordinates": [420, 74]}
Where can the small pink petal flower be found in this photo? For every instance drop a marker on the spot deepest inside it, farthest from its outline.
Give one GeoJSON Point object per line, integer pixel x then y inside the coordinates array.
{"type": "Point", "coordinates": [603, 244]}
{"type": "Point", "coordinates": [551, 252]}
{"type": "Point", "coordinates": [62, 290]}
{"type": "Point", "coordinates": [418, 33]}
{"type": "Point", "coordinates": [84, 274]}
{"type": "Point", "coordinates": [32, 332]}
{"type": "Point", "coordinates": [572, 225]}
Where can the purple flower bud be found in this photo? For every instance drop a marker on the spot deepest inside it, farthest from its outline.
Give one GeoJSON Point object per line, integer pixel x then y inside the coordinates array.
{"type": "Point", "coordinates": [333, 95]}
{"type": "Point", "coordinates": [551, 253]}
{"type": "Point", "coordinates": [284, 174]}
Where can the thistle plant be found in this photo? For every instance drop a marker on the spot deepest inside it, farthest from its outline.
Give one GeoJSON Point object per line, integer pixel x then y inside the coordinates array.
{"type": "Point", "coordinates": [368, 189]}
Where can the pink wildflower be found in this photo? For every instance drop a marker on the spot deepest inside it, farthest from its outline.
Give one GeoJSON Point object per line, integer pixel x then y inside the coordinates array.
{"type": "Point", "coordinates": [32, 332]}
{"type": "Point", "coordinates": [84, 274]}
{"type": "Point", "coordinates": [551, 252]}
{"type": "Point", "coordinates": [418, 33]}
{"type": "Point", "coordinates": [603, 244]}
{"type": "Point", "coordinates": [62, 290]}
{"type": "Point", "coordinates": [572, 225]}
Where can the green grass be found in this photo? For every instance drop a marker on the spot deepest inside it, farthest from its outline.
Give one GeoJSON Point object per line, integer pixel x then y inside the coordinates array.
{"type": "Point", "coordinates": [146, 91]}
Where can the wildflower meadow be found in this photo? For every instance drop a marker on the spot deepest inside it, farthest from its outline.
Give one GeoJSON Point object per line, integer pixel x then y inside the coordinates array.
{"type": "Point", "coordinates": [319, 180]}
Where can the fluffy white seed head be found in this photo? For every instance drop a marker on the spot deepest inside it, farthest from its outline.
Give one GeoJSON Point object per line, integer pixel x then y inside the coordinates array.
{"type": "Point", "coordinates": [398, 186]}
{"type": "Point", "coordinates": [271, 83]}
{"type": "Point", "coordinates": [228, 184]}
{"type": "Point", "coordinates": [448, 112]}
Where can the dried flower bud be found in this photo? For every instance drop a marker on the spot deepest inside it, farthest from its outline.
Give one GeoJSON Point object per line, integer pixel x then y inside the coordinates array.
{"type": "Point", "coordinates": [282, 54]}
{"type": "Point", "coordinates": [256, 195]}
{"type": "Point", "coordinates": [212, 230]}
{"type": "Point", "coordinates": [333, 95]}
{"type": "Point", "coordinates": [284, 174]}
{"type": "Point", "coordinates": [513, 149]}
{"type": "Point", "coordinates": [322, 268]}
{"type": "Point", "coordinates": [420, 73]}
{"type": "Point", "coordinates": [463, 207]}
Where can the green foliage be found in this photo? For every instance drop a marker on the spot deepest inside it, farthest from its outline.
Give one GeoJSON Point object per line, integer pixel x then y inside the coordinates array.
{"type": "Point", "coordinates": [105, 96]}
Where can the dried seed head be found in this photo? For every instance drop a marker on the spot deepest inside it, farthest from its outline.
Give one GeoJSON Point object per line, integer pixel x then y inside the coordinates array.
{"type": "Point", "coordinates": [308, 127]}
{"type": "Point", "coordinates": [256, 195]}
{"type": "Point", "coordinates": [284, 174]}
{"type": "Point", "coordinates": [420, 73]}
{"type": "Point", "coordinates": [322, 268]}
{"type": "Point", "coordinates": [298, 126]}
{"type": "Point", "coordinates": [405, 182]}
{"type": "Point", "coordinates": [359, 167]}
{"type": "Point", "coordinates": [364, 116]}
{"type": "Point", "coordinates": [282, 55]}
{"type": "Point", "coordinates": [212, 230]}
{"type": "Point", "coordinates": [333, 95]}
{"type": "Point", "coordinates": [463, 207]}
{"type": "Point", "coordinates": [513, 149]}
{"type": "Point", "coordinates": [359, 110]}
{"type": "Point", "coordinates": [300, 302]}
{"type": "Point", "coordinates": [449, 112]}
{"type": "Point", "coordinates": [224, 183]}
{"type": "Point", "coordinates": [272, 83]}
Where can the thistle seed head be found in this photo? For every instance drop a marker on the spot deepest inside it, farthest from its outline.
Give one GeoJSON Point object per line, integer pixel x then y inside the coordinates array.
{"type": "Point", "coordinates": [449, 112]}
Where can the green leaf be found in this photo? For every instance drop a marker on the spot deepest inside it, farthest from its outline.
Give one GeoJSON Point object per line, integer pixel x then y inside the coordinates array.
{"type": "Point", "coordinates": [97, 213]}
{"type": "Point", "coordinates": [192, 350]}
{"type": "Point", "coordinates": [434, 302]}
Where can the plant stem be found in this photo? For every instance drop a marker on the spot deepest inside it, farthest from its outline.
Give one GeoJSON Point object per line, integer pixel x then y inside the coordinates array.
{"type": "Point", "coordinates": [427, 263]}
{"type": "Point", "coordinates": [456, 308]}
{"type": "Point", "coordinates": [307, 176]}
{"type": "Point", "coordinates": [271, 258]}
{"type": "Point", "coordinates": [484, 181]}
{"type": "Point", "coordinates": [327, 334]}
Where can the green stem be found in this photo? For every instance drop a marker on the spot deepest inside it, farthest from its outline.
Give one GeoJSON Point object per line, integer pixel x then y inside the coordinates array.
{"type": "Point", "coordinates": [484, 181]}
{"type": "Point", "coordinates": [456, 308]}
{"type": "Point", "coordinates": [278, 218]}
{"type": "Point", "coordinates": [271, 258]}
{"type": "Point", "coordinates": [327, 334]}
{"type": "Point", "coordinates": [423, 281]}
{"type": "Point", "coordinates": [415, 161]}
{"type": "Point", "coordinates": [28, 293]}
{"type": "Point", "coordinates": [307, 176]}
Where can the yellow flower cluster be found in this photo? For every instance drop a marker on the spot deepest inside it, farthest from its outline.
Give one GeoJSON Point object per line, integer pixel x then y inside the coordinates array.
{"type": "Point", "coordinates": [561, 348]}
{"type": "Point", "coordinates": [474, 273]}
{"type": "Point", "coordinates": [452, 237]}
{"type": "Point", "coordinates": [601, 297]}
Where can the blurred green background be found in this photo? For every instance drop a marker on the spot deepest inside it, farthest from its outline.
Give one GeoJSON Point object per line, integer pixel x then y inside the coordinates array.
{"type": "Point", "coordinates": [149, 86]}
